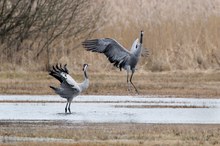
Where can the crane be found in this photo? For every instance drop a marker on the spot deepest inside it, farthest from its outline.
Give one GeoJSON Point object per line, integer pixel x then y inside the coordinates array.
{"type": "Point", "coordinates": [69, 88]}
{"type": "Point", "coordinates": [117, 54]}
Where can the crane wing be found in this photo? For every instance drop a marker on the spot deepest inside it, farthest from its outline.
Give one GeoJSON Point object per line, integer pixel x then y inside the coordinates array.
{"type": "Point", "coordinates": [62, 74]}
{"type": "Point", "coordinates": [115, 52]}
{"type": "Point", "coordinates": [145, 52]}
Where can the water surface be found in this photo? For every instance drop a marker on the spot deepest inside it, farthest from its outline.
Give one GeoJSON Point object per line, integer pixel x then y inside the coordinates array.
{"type": "Point", "coordinates": [111, 109]}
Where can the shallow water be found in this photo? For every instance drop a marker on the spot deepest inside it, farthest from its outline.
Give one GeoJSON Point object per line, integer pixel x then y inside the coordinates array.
{"type": "Point", "coordinates": [111, 109]}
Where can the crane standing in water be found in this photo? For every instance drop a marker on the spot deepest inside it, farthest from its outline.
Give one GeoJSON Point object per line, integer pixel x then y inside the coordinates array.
{"type": "Point", "coordinates": [69, 88]}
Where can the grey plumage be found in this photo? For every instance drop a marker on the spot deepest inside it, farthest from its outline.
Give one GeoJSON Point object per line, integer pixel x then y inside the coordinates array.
{"type": "Point", "coordinates": [117, 54]}
{"type": "Point", "coordinates": [69, 88]}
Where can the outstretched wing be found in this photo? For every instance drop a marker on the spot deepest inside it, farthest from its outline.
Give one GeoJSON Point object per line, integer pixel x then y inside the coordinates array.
{"type": "Point", "coordinates": [62, 74]}
{"type": "Point", "coordinates": [145, 52]}
{"type": "Point", "coordinates": [115, 52]}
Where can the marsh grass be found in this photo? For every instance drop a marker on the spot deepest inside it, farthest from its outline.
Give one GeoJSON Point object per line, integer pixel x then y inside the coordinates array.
{"type": "Point", "coordinates": [113, 134]}
{"type": "Point", "coordinates": [180, 35]}
{"type": "Point", "coordinates": [189, 84]}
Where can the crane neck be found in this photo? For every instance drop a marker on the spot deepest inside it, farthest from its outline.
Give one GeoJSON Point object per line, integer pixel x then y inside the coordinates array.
{"type": "Point", "coordinates": [137, 52]}
{"type": "Point", "coordinates": [85, 84]}
{"type": "Point", "coordinates": [85, 74]}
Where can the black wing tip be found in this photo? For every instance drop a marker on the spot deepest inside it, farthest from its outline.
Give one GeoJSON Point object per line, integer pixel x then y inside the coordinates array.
{"type": "Point", "coordinates": [58, 68]}
{"type": "Point", "coordinates": [54, 88]}
{"type": "Point", "coordinates": [87, 43]}
{"type": "Point", "coordinates": [90, 41]}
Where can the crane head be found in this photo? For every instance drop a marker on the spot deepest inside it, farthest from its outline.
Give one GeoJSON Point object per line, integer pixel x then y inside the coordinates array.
{"type": "Point", "coordinates": [85, 66]}
{"type": "Point", "coordinates": [135, 44]}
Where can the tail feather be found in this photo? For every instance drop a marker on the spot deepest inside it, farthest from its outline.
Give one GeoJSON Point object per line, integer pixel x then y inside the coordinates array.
{"type": "Point", "coordinates": [54, 88]}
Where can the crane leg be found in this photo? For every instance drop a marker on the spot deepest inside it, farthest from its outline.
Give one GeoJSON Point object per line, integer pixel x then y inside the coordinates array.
{"type": "Point", "coordinates": [69, 107]}
{"type": "Point", "coordinates": [132, 83]}
{"type": "Point", "coordinates": [66, 107]}
{"type": "Point", "coordinates": [128, 84]}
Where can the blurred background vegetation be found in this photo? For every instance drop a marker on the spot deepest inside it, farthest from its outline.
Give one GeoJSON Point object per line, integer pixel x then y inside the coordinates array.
{"type": "Point", "coordinates": [180, 34]}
